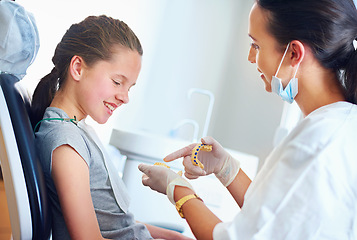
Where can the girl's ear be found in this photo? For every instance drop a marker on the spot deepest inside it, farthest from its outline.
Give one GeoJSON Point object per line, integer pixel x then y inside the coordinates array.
{"type": "Point", "coordinates": [297, 52]}
{"type": "Point", "coordinates": [76, 67]}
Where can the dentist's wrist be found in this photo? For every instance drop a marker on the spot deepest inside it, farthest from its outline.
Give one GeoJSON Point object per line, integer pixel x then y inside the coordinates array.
{"type": "Point", "coordinates": [181, 192]}
{"type": "Point", "coordinates": [228, 171]}
{"type": "Point", "coordinates": [177, 183]}
{"type": "Point", "coordinates": [183, 195]}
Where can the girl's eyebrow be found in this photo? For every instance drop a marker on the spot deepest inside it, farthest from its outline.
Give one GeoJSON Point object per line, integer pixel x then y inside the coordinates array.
{"type": "Point", "coordinates": [119, 75]}
{"type": "Point", "coordinates": [252, 37]}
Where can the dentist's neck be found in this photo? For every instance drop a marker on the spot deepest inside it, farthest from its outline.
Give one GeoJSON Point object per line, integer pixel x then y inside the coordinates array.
{"type": "Point", "coordinates": [318, 87]}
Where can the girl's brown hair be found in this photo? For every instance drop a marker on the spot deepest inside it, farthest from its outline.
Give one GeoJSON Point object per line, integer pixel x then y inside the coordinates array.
{"type": "Point", "coordinates": [93, 40]}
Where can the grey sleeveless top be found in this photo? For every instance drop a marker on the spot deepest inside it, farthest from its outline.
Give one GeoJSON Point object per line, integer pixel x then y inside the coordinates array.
{"type": "Point", "coordinates": [114, 223]}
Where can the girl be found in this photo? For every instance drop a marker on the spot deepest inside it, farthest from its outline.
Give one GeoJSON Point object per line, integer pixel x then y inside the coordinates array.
{"type": "Point", "coordinates": [307, 189]}
{"type": "Point", "coordinates": [96, 63]}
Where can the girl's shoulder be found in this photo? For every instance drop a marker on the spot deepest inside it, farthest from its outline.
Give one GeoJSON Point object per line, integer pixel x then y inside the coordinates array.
{"type": "Point", "coordinates": [55, 130]}
{"type": "Point", "coordinates": [56, 122]}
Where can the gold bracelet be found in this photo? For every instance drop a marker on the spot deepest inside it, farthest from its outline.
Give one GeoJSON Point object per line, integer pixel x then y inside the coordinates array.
{"type": "Point", "coordinates": [183, 200]}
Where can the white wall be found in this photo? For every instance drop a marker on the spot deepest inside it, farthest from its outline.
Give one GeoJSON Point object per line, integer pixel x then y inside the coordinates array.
{"type": "Point", "coordinates": [248, 116]}
{"type": "Point", "coordinates": [201, 43]}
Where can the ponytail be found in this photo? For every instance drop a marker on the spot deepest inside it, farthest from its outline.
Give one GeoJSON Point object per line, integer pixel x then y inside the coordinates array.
{"type": "Point", "coordinates": [350, 78]}
{"type": "Point", "coordinates": [43, 95]}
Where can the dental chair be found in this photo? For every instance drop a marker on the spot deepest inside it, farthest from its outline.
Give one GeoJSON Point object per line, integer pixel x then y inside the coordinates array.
{"type": "Point", "coordinates": [28, 204]}
{"type": "Point", "coordinates": [25, 189]}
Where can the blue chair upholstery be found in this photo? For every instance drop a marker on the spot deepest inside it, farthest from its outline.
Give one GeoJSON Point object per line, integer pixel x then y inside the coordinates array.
{"type": "Point", "coordinates": [29, 207]}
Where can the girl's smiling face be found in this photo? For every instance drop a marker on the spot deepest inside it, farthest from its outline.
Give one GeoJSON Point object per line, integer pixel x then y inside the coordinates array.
{"type": "Point", "coordinates": [264, 50]}
{"type": "Point", "coordinates": [105, 86]}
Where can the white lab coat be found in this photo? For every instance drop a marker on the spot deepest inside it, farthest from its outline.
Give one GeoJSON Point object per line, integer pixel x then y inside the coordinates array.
{"type": "Point", "coordinates": [307, 188]}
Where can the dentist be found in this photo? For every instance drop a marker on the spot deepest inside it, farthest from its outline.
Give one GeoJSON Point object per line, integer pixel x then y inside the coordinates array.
{"type": "Point", "coordinates": [306, 51]}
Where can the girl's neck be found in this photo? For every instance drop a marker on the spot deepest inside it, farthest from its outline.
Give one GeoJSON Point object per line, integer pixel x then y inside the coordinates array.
{"type": "Point", "coordinates": [68, 105]}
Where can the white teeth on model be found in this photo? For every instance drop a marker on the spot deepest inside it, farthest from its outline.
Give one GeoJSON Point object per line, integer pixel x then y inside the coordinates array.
{"type": "Point", "coordinates": [110, 107]}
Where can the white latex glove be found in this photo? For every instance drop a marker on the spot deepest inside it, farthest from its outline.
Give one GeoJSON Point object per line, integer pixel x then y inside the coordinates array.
{"type": "Point", "coordinates": [162, 180]}
{"type": "Point", "coordinates": [218, 161]}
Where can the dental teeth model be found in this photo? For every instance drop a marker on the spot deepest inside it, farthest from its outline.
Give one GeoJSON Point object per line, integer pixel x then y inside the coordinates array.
{"type": "Point", "coordinates": [195, 150]}
{"type": "Point", "coordinates": [164, 165]}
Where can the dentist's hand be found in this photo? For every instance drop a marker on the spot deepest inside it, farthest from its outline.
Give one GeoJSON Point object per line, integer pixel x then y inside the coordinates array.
{"type": "Point", "coordinates": [218, 161]}
{"type": "Point", "coordinates": [162, 180]}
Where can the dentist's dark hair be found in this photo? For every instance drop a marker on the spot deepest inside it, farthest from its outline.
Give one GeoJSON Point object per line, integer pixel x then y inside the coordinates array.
{"type": "Point", "coordinates": [92, 39]}
{"type": "Point", "coordinates": [327, 26]}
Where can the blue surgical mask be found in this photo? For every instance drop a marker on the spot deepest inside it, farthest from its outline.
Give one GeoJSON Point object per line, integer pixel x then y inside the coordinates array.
{"type": "Point", "coordinates": [290, 91]}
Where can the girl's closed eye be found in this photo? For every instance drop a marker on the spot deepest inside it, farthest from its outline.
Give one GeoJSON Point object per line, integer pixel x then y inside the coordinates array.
{"type": "Point", "coordinates": [116, 82]}
{"type": "Point", "coordinates": [254, 46]}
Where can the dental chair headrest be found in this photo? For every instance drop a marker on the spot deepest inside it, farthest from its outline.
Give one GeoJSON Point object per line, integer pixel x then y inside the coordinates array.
{"type": "Point", "coordinates": [19, 39]}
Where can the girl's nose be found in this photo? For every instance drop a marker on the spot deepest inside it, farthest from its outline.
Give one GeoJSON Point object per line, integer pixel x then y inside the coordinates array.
{"type": "Point", "coordinates": [123, 96]}
{"type": "Point", "coordinates": [251, 55]}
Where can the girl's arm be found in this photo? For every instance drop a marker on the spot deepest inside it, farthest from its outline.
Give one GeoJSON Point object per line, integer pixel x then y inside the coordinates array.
{"type": "Point", "coordinates": [71, 177]}
{"type": "Point", "coordinates": [161, 233]}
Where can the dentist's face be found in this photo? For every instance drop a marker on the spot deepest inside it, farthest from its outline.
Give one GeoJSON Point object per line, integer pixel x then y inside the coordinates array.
{"type": "Point", "coordinates": [264, 48]}
{"type": "Point", "coordinates": [106, 85]}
